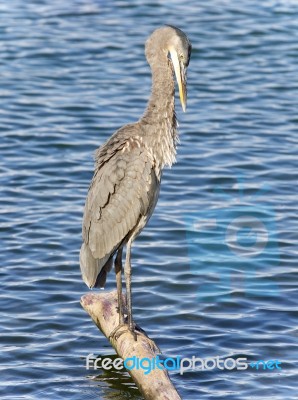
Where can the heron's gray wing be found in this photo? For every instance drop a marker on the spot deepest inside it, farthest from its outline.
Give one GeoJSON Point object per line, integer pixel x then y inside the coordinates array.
{"type": "Point", "coordinates": [120, 193]}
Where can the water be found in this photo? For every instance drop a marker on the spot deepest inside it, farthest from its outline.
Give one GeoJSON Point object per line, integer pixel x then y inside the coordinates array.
{"type": "Point", "coordinates": [215, 271]}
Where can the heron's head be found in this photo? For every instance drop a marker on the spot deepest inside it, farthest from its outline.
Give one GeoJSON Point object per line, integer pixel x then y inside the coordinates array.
{"type": "Point", "coordinates": [171, 42]}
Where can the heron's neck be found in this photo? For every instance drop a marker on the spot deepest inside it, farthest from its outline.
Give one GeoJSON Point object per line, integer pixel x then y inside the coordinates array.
{"type": "Point", "coordinates": [159, 121]}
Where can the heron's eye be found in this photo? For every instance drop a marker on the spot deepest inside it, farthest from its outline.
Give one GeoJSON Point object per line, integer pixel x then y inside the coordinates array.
{"type": "Point", "coordinates": [181, 56]}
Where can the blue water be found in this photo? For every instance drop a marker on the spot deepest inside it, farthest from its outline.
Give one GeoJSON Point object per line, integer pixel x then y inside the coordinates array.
{"type": "Point", "coordinates": [215, 270]}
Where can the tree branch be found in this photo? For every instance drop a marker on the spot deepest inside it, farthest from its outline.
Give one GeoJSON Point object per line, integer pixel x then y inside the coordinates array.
{"type": "Point", "coordinates": [155, 385]}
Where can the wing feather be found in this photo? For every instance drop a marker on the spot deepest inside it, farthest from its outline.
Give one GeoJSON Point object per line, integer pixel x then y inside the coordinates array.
{"type": "Point", "coordinates": [117, 198]}
{"type": "Point", "coordinates": [123, 191]}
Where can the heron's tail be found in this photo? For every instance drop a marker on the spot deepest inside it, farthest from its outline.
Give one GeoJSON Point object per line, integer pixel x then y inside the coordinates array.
{"type": "Point", "coordinates": [94, 271]}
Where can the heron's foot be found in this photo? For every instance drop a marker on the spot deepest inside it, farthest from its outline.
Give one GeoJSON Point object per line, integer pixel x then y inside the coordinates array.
{"type": "Point", "coordinates": [118, 331]}
{"type": "Point", "coordinates": [135, 331]}
{"type": "Point", "coordinates": [126, 327]}
{"type": "Point", "coordinates": [153, 346]}
{"type": "Point", "coordinates": [123, 328]}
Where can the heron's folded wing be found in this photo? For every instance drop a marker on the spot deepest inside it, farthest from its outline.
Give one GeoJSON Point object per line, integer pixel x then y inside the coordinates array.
{"type": "Point", "coordinates": [120, 193]}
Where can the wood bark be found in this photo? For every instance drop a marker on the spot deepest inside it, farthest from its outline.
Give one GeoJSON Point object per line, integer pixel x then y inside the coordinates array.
{"type": "Point", "coordinates": [156, 385]}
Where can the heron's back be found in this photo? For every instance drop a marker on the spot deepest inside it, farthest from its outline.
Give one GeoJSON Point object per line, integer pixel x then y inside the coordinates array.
{"type": "Point", "coordinates": [121, 198]}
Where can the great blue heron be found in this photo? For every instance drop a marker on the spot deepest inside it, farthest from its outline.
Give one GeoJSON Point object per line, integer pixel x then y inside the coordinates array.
{"type": "Point", "coordinates": [128, 167]}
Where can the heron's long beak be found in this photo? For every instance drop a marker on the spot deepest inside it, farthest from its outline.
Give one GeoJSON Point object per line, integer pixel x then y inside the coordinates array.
{"type": "Point", "coordinates": [180, 73]}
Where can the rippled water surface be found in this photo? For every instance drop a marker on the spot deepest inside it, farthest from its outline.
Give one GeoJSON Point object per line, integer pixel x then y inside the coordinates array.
{"type": "Point", "coordinates": [215, 270]}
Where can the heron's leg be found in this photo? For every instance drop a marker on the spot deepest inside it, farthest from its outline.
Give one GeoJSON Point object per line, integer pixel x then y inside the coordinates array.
{"type": "Point", "coordinates": [127, 273]}
{"type": "Point", "coordinates": [118, 271]}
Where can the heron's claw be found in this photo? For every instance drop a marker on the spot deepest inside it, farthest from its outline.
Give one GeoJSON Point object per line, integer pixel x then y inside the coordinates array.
{"type": "Point", "coordinates": [117, 332]}
{"type": "Point", "coordinates": [134, 329]}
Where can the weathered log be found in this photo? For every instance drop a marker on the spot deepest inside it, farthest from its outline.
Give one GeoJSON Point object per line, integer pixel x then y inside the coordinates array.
{"type": "Point", "coordinates": [155, 385]}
